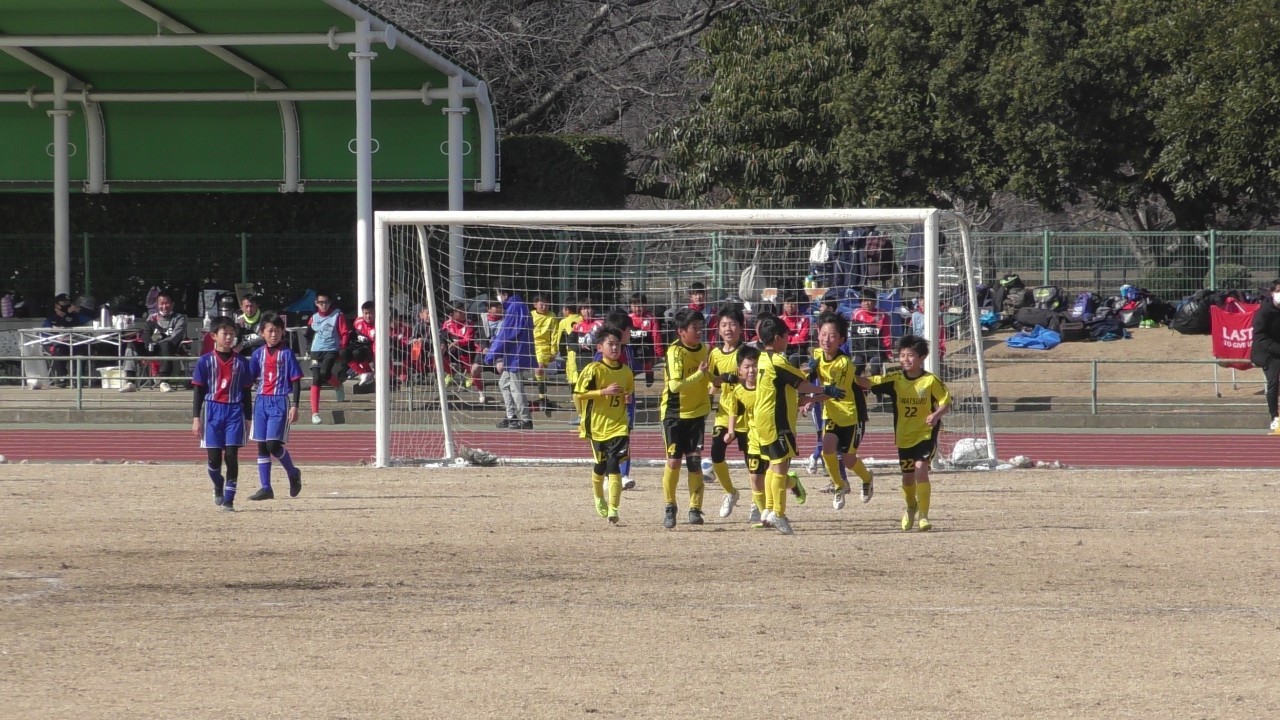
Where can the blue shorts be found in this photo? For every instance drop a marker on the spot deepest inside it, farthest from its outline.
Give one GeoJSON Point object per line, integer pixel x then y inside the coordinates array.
{"type": "Point", "coordinates": [271, 418]}
{"type": "Point", "coordinates": [223, 425]}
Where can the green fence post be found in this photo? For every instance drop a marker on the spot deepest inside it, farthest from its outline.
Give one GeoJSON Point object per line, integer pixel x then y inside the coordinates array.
{"type": "Point", "coordinates": [87, 284]}
{"type": "Point", "coordinates": [1045, 261]}
{"type": "Point", "coordinates": [244, 257]}
{"type": "Point", "coordinates": [1213, 259]}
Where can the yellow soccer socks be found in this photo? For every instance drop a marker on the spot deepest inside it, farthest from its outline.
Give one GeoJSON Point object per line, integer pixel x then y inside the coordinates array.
{"type": "Point", "coordinates": [923, 491]}
{"type": "Point", "coordinates": [696, 489]}
{"type": "Point", "coordinates": [615, 491]}
{"type": "Point", "coordinates": [597, 490]}
{"type": "Point", "coordinates": [832, 461]}
{"type": "Point", "coordinates": [721, 470]}
{"type": "Point", "coordinates": [757, 497]}
{"type": "Point", "coordinates": [861, 471]}
{"type": "Point", "coordinates": [909, 517]}
{"type": "Point", "coordinates": [670, 478]}
{"type": "Point", "coordinates": [778, 484]}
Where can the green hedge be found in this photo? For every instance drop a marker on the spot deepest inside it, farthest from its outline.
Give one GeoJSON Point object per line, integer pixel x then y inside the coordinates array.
{"type": "Point", "coordinates": [564, 171]}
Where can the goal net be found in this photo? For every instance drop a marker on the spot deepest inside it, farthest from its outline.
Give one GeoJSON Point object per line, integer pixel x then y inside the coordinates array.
{"type": "Point", "coordinates": [439, 274]}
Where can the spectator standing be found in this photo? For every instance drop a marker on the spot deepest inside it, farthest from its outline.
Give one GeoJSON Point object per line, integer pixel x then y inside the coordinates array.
{"type": "Point", "coordinates": [330, 336]}
{"type": "Point", "coordinates": [510, 353]}
{"type": "Point", "coordinates": [1266, 349]}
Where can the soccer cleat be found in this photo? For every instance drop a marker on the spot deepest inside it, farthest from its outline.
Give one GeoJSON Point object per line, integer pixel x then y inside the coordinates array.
{"type": "Point", "coordinates": [316, 419]}
{"type": "Point", "coordinates": [263, 494]}
{"type": "Point", "coordinates": [838, 501]}
{"type": "Point", "coordinates": [166, 387]}
{"type": "Point", "coordinates": [295, 483]}
{"type": "Point", "coordinates": [908, 519]}
{"type": "Point", "coordinates": [782, 524]}
{"type": "Point", "coordinates": [695, 516]}
{"type": "Point", "coordinates": [613, 516]}
{"type": "Point", "coordinates": [229, 507]}
{"type": "Point", "coordinates": [339, 394]}
{"type": "Point", "coordinates": [628, 483]}
{"type": "Point", "coordinates": [129, 387]}
{"type": "Point", "coordinates": [801, 494]}
{"type": "Point", "coordinates": [521, 425]}
{"type": "Point", "coordinates": [730, 500]}
{"type": "Point", "coordinates": [217, 496]}
{"type": "Point", "coordinates": [602, 507]}
{"type": "Point", "coordinates": [754, 516]}
{"type": "Point", "coordinates": [669, 517]}
{"type": "Point", "coordinates": [868, 489]}
{"type": "Point", "coordinates": [1275, 426]}
{"type": "Point", "coordinates": [483, 399]}
{"type": "Point", "coordinates": [925, 525]}
{"type": "Point", "coordinates": [811, 465]}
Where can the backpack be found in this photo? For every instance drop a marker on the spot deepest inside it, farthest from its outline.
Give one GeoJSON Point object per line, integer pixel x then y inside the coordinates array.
{"type": "Point", "coordinates": [1108, 328]}
{"type": "Point", "coordinates": [1191, 317]}
{"type": "Point", "coordinates": [1029, 317]}
{"type": "Point", "coordinates": [1049, 297]}
{"type": "Point", "coordinates": [751, 283]}
{"type": "Point", "coordinates": [1084, 307]}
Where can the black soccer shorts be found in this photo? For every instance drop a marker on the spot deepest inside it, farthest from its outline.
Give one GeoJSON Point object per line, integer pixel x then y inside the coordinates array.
{"type": "Point", "coordinates": [683, 436]}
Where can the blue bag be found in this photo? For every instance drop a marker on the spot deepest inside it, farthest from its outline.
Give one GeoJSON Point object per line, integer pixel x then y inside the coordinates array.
{"type": "Point", "coordinates": [1038, 338]}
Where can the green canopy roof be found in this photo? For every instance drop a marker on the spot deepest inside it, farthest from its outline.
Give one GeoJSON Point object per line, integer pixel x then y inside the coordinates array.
{"type": "Point", "coordinates": [255, 95]}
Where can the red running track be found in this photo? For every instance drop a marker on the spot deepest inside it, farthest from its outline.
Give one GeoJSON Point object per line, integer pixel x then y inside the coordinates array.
{"type": "Point", "coordinates": [352, 446]}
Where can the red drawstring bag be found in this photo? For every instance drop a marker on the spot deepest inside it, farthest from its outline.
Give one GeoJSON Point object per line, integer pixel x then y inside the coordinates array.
{"type": "Point", "coordinates": [1232, 328]}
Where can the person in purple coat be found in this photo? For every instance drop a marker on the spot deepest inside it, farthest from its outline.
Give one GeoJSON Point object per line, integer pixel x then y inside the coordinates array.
{"type": "Point", "coordinates": [510, 352]}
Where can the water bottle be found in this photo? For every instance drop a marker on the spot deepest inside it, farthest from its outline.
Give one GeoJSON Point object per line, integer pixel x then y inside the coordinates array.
{"type": "Point", "coordinates": [104, 313]}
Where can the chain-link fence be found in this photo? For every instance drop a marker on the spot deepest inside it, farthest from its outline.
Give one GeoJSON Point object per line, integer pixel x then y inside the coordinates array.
{"type": "Point", "coordinates": [123, 267]}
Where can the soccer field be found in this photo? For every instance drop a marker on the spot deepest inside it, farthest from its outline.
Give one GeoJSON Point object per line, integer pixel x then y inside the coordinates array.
{"type": "Point", "coordinates": [500, 593]}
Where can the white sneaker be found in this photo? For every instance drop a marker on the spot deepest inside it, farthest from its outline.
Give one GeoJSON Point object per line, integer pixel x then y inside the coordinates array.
{"type": "Point", "coordinates": [726, 507]}
{"type": "Point", "coordinates": [128, 387]}
{"type": "Point", "coordinates": [628, 483]}
{"type": "Point", "coordinates": [782, 524]}
{"type": "Point", "coordinates": [838, 501]}
{"type": "Point", "coordinates": [767, 518]}
{"type": "Point", "coordinates": [316, 419]}
{"type": "Point", "coordinates": [164, 387]}
{"type": "Point", "coordinates": [868, 489]}
{"type": "Point", "coordinates": [811, 465]}
{"type": "Point", "coordinates": [1275, 425]}
{"type": "Point", "coordinates": [340, 394]}
{"type": "Point", "coordinates": [366, 378]}
{"type": "Point", "coordinates": [483, 400]}
{"type": "Point", "coordinates": [754, 516]}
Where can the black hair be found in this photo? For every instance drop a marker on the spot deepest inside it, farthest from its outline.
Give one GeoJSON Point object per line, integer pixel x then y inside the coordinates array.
{"type": "Point", "coordinates": [250, 297]}
{"type": "Point", "coordinates": [585, 302]}
{"type": "Point", "coordinates": [618, 319]}
{"type": "Point", "coordinates": [368, 305]}
{"type": "Point", "coordinates": [161, 294]}
{"type": "Point", "coordinates": [608, 331]}
{"type": "Point", "coordinates": [222, 321]}
{"type": "Point", "coordinates": [270, 318]}
{"type": "Point", "coordinates": [733, 312]}
{"type": "Point", "coordinates": [772, 328]}
{"type": "Point", "coordinates": [541, 297]}
{"type": "Point", "coordinates": [570, 302]}
{"type": "Point", "coordinates": [697, 287]}
{"type": "Point", "coordinates": [639, 298]}
{"type": "Point", "coordinates": [686, 317]}
{"type": "Point", "coordinates": [748, 352]}
{"type": "Point", "coordinates": [764, 315]}
{"type": "Point", "coordinates": [915, 343]}
{"type": "Point", "coordinates": [842, 325]}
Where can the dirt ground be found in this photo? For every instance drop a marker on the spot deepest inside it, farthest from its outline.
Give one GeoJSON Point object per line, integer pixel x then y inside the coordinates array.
{"type": "Point", "coordinates": [501, 594]}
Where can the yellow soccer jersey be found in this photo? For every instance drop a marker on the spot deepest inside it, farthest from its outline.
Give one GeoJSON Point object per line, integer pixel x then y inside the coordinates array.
{"type": "Point", "coordinates": [686, 394]}
{"type": "Point", "coordinates": [604, 416]}
{"type": "Point", "coordinates": [839, 371]}
{"type": "Point", "coordinates": [913, 399]}
{"type": "Point", "coordinates": [563, 331]}
{"type": "Point", "coordinates": [544, 328]}
{"type": "Point", "coordinates": [740, 401]}
{"type": "Point", "coordinates": [724, 362]}
{"type": "Point", "coordinates": [777, 400]}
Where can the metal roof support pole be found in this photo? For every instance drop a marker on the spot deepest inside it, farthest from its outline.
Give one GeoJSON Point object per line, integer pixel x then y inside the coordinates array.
{"type": "Point", "coordinates": [457, 247]}
{"type": "Point", "coordinates": [61, 190]}
{"type": "Point", "coordinates": [364, 163]}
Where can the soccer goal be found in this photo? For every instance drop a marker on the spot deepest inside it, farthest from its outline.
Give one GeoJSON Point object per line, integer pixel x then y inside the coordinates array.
{"type": "Point", "coordinates": [437, 401]}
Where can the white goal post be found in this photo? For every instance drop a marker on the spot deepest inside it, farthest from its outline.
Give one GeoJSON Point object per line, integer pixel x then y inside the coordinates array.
{"type": "Point", "coordinates": [427, 415]}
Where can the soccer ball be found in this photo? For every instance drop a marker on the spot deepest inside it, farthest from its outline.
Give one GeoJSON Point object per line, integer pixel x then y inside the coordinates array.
{"type": "Point", "coordinates": [706, 466]}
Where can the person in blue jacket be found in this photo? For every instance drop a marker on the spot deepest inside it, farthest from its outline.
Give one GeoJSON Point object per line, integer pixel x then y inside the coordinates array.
{"type": "Point", "coordinates": [510, 352]}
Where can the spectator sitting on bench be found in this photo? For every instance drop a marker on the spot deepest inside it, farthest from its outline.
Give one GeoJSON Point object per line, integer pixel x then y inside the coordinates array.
{"type": "Point", "coordinates": [162, 336]}
{"type": "Point", "coordinates": [65, 314]}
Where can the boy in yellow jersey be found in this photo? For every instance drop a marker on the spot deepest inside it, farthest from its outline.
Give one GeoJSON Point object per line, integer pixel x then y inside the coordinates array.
{"type": "Point", "coordinates": [723, 361]}
{"type": "Point", "coordinates": [777, 407]}
{"type": "Point", "coordinates": [603, 389]}
{"type": "Point", "coordinates": [920, 399]}
{"type": "Point", "coordinates": [563, 341]}
{"type": "Point", "coordinates": [846, 418]}
{"type": "Point", "coordinates": [544, 328]}
{"type": "Point", "coordinates": [739, 402]}
{"type": "Point", "coordinates": [686, 402]}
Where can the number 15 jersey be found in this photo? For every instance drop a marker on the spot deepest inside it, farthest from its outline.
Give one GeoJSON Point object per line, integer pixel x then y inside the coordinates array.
{"type": "Point", "coordinates": [604, 418]}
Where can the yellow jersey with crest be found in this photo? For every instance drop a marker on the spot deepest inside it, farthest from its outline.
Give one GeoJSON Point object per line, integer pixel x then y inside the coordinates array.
{"type": "Point", "coordinates": [723, 362]}
{"type": "Point", "coordinates": [777, 400]}
{"type": "Point", "coordinates": [740, 402]}
{"type": "Point", "coordinates": [840, 371]}
{"type": "Point", "coordinates": [686, 392]}
{"type": "Point", "coordinates": [605, 417]}
{"type": "Point", "coordinates": [913, 400]}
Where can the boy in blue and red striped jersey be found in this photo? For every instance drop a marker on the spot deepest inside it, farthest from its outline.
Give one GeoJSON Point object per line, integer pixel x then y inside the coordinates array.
{"type": "Point", "coordinates": [221, 404]}
{"type": "Point", "coordinates": [277, 384]}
